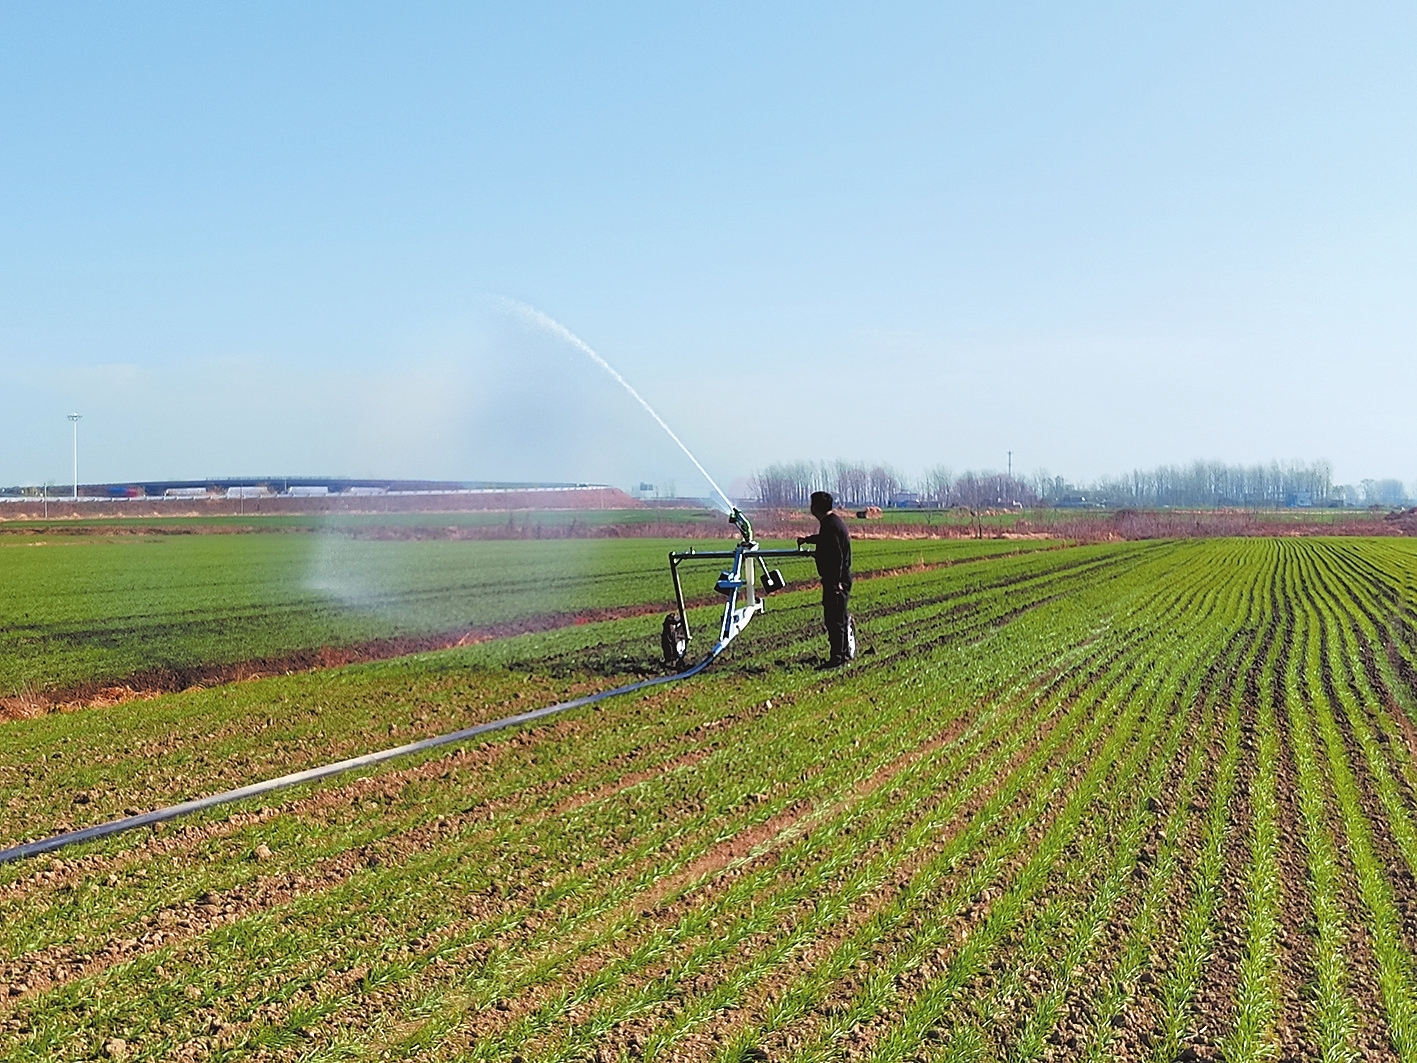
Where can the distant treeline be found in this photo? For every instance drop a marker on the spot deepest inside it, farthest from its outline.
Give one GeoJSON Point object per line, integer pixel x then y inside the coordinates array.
{"type": "Point", "coordinates": [853, 484]}
{"type": "Point", "coordinates": [1202, 484]}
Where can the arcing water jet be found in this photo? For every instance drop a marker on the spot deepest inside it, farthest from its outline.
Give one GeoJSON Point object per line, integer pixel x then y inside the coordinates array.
{"type": "Point", "coordinates": [549, 324]}
{"type": "Point", "coordinates": [738, 583]}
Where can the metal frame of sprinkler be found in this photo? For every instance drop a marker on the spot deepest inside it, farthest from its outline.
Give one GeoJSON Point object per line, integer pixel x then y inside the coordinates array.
{"type": "Point", "coordinates": [737, 584]}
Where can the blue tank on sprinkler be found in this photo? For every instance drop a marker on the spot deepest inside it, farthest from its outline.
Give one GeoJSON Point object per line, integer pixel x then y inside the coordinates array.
{"type": "Point", "coordinates": [738, 584]}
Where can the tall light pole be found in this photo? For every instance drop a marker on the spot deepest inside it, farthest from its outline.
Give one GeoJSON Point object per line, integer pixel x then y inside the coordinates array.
{"type": "Point", "coordinates": [74, 420]}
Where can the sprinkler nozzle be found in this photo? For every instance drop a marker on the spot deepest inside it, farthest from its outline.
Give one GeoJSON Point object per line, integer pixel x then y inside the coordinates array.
{"type": "Point", "coordinates": [738, 520]}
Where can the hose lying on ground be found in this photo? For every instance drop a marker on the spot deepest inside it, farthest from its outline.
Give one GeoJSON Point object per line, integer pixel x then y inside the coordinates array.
{"type": "Point", "coordinates": [159, 815]}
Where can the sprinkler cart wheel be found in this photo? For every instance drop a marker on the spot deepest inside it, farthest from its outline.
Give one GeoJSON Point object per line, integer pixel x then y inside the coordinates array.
{"type": "Point", "coordinates": [673, 641]}
{"type": "Point", "coordinates": [850, 638]}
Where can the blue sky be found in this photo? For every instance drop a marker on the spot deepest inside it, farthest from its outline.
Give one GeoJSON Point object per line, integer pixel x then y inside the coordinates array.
{"type": "Point", "coordinates": [263, 238]}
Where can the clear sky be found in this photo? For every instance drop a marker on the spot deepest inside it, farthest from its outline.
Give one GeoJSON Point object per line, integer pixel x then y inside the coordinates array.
{"type": "Point", "coordinates": [263, 238]}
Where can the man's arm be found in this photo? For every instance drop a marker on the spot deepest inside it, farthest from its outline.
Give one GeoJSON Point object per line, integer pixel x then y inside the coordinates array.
{"type": "Point", "coordinates": [803, 540]}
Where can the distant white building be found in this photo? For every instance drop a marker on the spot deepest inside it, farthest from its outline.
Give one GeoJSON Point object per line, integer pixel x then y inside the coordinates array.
{"type": "Point", "coordinates": [261, 491]}
{"type": "Point", "coordinates": [309, 491]}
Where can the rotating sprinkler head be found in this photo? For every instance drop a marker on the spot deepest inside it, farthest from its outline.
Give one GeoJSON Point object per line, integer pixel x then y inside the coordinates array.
{"type": "Point", "coordinates": [740, 520]}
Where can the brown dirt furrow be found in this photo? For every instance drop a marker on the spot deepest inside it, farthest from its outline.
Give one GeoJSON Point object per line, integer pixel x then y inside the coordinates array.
{"type": "Point", "coordinates": [1214, 1004]}
{"type": "Point", "coordinates": [1294, 1024]}
{"type": "Point", "coordinates": [1391, 706]}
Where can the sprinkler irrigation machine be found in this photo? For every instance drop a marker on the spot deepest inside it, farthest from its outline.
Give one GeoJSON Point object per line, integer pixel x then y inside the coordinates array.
{"type": "Point", "coordinates": [738, 584]}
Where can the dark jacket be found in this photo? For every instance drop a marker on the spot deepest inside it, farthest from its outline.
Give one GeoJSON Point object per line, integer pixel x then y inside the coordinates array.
{"type": "Point", "coordinates": [833, 544]}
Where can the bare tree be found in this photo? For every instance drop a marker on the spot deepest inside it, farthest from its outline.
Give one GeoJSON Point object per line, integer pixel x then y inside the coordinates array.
{"type": "Point", "coordinates": [937, 484]}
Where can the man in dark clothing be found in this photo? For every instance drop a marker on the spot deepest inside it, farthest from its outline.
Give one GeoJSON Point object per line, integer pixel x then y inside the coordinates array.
{"type": "Point", "coordinates": [833, 544]}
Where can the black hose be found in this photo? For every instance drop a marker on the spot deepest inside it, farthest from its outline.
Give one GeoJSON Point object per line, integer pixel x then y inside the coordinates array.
{"type": "Point", "coordinates": [159, 815]}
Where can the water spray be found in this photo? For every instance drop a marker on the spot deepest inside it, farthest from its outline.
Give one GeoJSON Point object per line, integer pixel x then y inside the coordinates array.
{"type": "Point", "coordinates": [738, 584]}
{"type": "Point", "coordinates": [549, 324]}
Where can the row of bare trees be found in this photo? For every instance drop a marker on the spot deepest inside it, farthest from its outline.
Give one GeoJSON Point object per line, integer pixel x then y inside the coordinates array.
{"type": "Point", "coordinates": [1202, 484]}
{"type": "Point", "coordinates": [1213, 483]}
{"type": "Point", "coordinates": [856, 484]}
{"type": "Point", "coordinates": [782, 486]}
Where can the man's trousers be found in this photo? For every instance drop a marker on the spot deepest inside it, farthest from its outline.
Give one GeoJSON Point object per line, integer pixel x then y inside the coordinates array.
{"type": "Point", "coordinates": [836, 618]}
